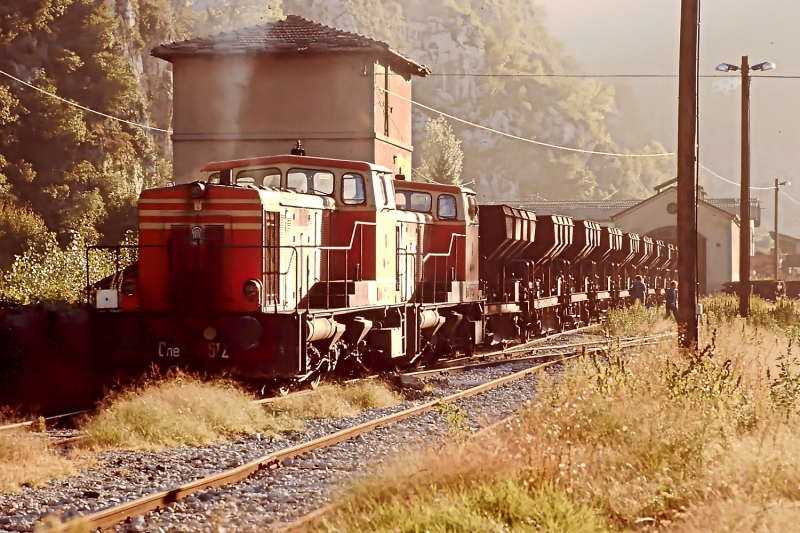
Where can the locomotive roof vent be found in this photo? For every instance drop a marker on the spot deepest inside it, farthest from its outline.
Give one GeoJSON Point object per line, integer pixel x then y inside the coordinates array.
{"type": "Point", "coordinates": [299, 149]}
{"type": "Point", "coordinates": [400, 176]}
{"type": "Point", "coordinates": [197, 190]}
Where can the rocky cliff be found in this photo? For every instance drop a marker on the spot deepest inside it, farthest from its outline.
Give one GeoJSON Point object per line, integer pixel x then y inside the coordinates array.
{"type": "Point", "coordinates": [488, 60]}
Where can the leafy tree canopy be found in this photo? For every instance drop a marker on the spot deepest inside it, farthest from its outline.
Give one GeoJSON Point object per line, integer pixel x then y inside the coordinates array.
{"type": "Point", "coordinates": [78, 172]}
{"type": "Point", "coordinates": [442, 158]}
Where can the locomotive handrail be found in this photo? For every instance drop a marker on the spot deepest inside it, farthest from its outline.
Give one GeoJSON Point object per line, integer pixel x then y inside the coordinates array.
{"type": "Point", "coordinates": [402, 252]}
{"type": "Point", "coordinates": [295, 259]}
{"type": "Point", "coordinates": [352, 237]}
{"type": "Point", "coordinates": [436, 255]}
{"type": "Point", "coordinates": [449, 250]}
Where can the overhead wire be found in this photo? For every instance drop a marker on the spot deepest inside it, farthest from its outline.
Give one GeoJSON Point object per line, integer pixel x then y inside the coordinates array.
{"type": "Point", "coordinates": [516, 137]}
{"type": "Point", "coordinates": [739, 184]}
{"type": "Point", "coordinates": [582, 76]}
{"type": "Point", "coordinates": [423, 106]}
{"type": "Point", "coordinates": [790, 198]}
{"type": "Point", "coordinates": [731, 181]}
{"type": "Point", "coordinates": [87, 109]}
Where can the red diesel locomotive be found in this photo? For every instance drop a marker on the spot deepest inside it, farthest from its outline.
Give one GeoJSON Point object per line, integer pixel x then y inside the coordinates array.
{"type": "Point", "coordinates": [289, 267]}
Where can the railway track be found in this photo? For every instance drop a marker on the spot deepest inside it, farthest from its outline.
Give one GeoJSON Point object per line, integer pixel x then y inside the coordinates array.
{"type": "Point", "coordinates": [450, 362]}
{"type": "Point", "coordinates": [108, 519]}
{"type": "Point", "coordinates": [450, 366]}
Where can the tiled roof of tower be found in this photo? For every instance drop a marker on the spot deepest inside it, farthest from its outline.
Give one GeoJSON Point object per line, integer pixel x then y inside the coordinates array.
{"type": "Point", "coordinates": [294, 34]}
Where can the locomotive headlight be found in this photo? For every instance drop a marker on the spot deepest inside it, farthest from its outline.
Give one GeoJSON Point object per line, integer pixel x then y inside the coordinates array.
{"type": "Point", "coordinates": [197, 190]}
{"type": "Point", "coordinates": [128, 287]}
{"type": "Point", "coordinates": [210, 333]}
{"type": "Point", "coordinates": [251, 288]}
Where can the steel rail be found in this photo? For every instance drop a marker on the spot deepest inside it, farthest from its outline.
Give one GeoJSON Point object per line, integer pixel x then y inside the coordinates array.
{"type": "Point", "coordinates": [107, 519]}
{"type": "Point", "coordinates": [30, 423]}
{"type": "Point", "coordinates": [315, 517]}
{"type": "Point", "coordinates": [476, 364]}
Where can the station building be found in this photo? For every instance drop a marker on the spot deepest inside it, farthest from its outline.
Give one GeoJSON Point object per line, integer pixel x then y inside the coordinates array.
{"type": "Point", "coordinates": [254, 92]}
{"type": "Point", "coordinates": [718, 226]}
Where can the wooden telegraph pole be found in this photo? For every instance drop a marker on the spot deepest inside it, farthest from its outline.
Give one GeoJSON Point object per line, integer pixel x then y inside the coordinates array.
{"type": "Point", "coordinates": [744, 206]}
{"type": "Point", "coordinates": [687, 177]}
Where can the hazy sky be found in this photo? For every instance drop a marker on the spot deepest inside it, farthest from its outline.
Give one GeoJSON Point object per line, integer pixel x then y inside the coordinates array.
{"type": "Point", "coordinates": [641, 37]}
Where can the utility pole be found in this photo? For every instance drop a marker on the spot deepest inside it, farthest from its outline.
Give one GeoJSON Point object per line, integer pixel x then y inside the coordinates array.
{"type": "Point", "coordinates": [744, 207]}
{"type": "Point", "coordinates": [687, 176]}
{"type": "Point", "coordinates": [776, 258]}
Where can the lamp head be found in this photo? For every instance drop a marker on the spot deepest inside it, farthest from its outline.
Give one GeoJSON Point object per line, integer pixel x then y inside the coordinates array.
{"type": "Point", "coordinates": [767, 65]}
{"type": "Point", "coordinates": [727, 67]}
{"type": "Point", "coordinates": [785, 183]}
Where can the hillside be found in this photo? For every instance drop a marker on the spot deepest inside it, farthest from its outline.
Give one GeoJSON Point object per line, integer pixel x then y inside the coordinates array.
{"type": "Point", "coordinates": [64, 170]}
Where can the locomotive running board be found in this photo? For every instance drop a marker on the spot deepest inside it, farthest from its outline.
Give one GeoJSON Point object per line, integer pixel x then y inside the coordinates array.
{"type": "Point", "coordinates": [498, 309]}
{"type": "Point", "coordinates": [541, 303]}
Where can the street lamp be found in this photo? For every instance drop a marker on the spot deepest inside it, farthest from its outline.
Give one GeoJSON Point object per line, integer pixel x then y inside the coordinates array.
{"type": "Point", "coordinates": [744, 207]}
{"type": "Point", "coordinates": [776, 258]}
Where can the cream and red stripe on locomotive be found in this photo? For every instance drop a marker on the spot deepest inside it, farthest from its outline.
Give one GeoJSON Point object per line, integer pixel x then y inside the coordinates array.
{"type": "Point", "coordinates": [288, 267]}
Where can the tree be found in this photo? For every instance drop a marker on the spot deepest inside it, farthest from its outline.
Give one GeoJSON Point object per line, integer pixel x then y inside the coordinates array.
{"type": "Point", "coordinates": [442, 158]}
{"type": "Point", "coordinates": [77, 171]}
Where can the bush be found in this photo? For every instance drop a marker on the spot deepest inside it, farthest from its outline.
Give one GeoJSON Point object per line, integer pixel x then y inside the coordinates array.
{"type": "Point", "coordinates": [51, 274]}
{"type": "Point", "coordinates": [179, 410]}
{"type": "Point", "coordinates": [27, 461]}
{"type": "Point", "coordinates": [337, 401]}
{"type": "Point", "coordinates": [781, 316]}
{"type": "Point", "coordinates": [633, 321]}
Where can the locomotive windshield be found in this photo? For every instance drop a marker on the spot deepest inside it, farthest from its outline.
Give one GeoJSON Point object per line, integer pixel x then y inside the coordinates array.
{"type": "Point", "coordinates": [353, 189]}
{"type": "Point", "coordinates": [413, 201]}
{"type": "Point", "coordinates": [312, 181]}
{"type": "Point", "coordinates": [446, 206]}
{"type": "Point", "coordinates": [266, 177]}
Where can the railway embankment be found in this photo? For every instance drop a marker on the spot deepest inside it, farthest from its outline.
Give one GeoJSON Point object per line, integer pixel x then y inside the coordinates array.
{"type": "Point", "coordinates": [121, 476]}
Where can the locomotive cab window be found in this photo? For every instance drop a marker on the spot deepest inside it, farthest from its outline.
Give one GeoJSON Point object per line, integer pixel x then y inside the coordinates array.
{"type": "Point", "coordinates": [472, 209]}
{"type": "Point", "coordinates": [213, 177]}
{"type": "Point", "coordinates": [353, 189]}
{"type": "Point", "coordinates": [304, 180]}
{"type": "Point", "coordinates": [413, 201]}
{"type": "Point", "coordinates": [382, 187]}
{"type": "Point", "coordinates": [265, 177]}
{"type": "Point", "coordinates": [446, 206]}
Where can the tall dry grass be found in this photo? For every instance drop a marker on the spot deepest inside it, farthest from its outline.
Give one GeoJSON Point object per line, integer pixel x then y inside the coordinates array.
{"type": "Point", "coordinates": [183, 410]}
{"type": "Point", "coordinates": [337, 401]}
{"type": "Point", "coordinates": [27, 461]}
{"type": "Point", "coordinates": [662, 440]}
{"type": "Point", "coordinates": [180, 410]}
